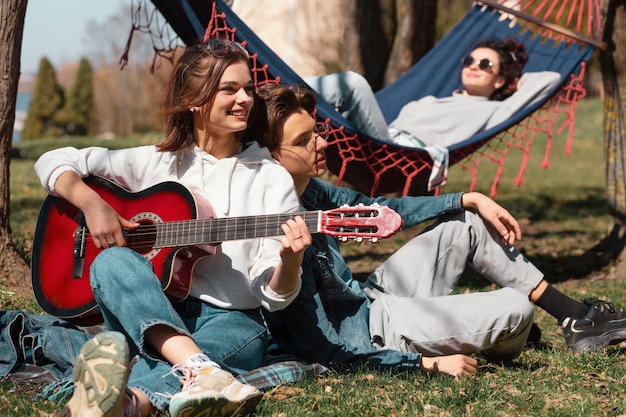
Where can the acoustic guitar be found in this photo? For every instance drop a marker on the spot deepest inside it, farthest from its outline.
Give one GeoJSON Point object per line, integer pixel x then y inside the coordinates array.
{"type": "Point", "coordinates": [176, 230]}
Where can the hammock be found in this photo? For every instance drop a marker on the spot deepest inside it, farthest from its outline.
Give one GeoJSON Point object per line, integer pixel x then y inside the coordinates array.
{"type": "Point", "coordinates": [377, 167]}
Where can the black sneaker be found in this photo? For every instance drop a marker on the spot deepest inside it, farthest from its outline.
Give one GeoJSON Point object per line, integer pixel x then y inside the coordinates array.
{"type": "Point", "coordinates": [602, 326]}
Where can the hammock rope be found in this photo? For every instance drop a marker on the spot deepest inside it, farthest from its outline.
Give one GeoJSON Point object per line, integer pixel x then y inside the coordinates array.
{"type": "Point", "coordinates": [541, 22]}
{"type": "Point", "coordinates": [376, 167]}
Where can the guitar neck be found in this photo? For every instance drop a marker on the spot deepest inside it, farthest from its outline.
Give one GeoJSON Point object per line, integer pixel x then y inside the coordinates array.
{"type": "Point", "coordinates": [215, 230]}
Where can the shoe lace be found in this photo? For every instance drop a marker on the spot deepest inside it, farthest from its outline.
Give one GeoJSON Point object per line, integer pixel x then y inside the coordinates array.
{"type": "Point", "coordinates": [599, 304]}
{"type": "Point", "coordinates": [188, 374]}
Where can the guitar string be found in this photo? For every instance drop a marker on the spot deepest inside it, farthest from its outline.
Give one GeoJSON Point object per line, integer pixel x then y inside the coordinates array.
{"type": "Point", "coordinates": [225, 231]}
{"type": "Point", "coordinates": [242, 224]}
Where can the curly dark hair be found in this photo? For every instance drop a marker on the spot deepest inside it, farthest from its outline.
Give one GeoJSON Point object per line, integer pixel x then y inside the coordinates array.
{"type": "Point", "coordinates": [513, 57]}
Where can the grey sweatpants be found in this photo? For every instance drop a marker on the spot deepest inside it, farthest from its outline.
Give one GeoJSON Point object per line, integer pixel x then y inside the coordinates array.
{"type": "Point", "coordinates": [413, 309]}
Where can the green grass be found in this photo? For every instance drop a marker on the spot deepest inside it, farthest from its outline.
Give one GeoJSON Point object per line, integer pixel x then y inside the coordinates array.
{"type": "Point", "coordinates": [563, 215]}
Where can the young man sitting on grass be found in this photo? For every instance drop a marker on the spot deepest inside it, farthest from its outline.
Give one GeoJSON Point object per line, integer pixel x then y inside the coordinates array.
{"type": "Point", "coordinates": [406, 305]}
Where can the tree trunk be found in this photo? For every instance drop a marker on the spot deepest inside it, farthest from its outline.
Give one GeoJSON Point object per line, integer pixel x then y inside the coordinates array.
{"type": "Point", "coordinates": [613, 67]}
{"type": "Point", "coordinates": [14, 272]}
{"type": "Point", "coordinates": [393, 35]}
{"type": "Point", "coordinates": [415, 35]}
{"type": "Point", "coordinates": [380, 39]}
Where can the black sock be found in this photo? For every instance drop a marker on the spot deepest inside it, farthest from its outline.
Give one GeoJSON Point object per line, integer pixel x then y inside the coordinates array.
{"type": "Point", "coordinates": [560, 305]}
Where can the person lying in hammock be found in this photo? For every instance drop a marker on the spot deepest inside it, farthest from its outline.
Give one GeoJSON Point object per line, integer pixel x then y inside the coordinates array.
{"type": "Point", "coordinates": [493, 90]}
{"type": "Point", "coordinates": [406, 305]}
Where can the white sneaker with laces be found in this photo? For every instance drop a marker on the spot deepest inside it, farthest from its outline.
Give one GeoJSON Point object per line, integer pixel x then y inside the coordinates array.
{"type": "Point", "coordinates": [211, 391]}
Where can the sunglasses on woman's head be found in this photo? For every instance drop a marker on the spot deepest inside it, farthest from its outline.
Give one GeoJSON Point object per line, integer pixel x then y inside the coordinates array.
{"type": "Point", "coordinates": [219, 48]}
{"type": "Point", "coordinates": [484, 64]}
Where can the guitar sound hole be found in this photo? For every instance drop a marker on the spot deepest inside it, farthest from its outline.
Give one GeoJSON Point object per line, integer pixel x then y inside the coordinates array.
{"type": "Point", "coordinates": [142, 239]}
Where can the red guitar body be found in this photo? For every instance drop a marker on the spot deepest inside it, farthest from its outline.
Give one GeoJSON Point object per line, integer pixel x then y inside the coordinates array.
{"type": "Point", "coordinates": [62, 292]}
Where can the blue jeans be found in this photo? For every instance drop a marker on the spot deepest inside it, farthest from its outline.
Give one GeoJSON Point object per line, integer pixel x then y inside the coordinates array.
{"type": "Point", "coordinates": [132, 301]}
{"type": "Point", "coordinates": [352, 96]}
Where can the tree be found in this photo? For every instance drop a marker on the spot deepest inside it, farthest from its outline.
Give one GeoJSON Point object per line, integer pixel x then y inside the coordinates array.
{"type": "Point", "coordinates": [613, 67]}
{"type": "Point", "coordinates": [128, 99]}
{"type": "Point", "coordinates": [393, 35]}
{"type": "Point", "coordinates": [13, 270]}
{"type": "Point", "coordinates": [380, 39]}
{"type": "Point", "coordinates": [80, 108]}
{"type": "Point", "coordinates": [48, 98]}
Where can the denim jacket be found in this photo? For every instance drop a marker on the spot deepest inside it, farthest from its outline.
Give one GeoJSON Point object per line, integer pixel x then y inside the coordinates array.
{"type": "Point", "coordinates": [41, 340]}
{"type": "Point", "coordinates": [39, 349]}
{"type": "Point", "coordinates": [320, 195]}
{"type": "Point", "coordinates": [328, 322]}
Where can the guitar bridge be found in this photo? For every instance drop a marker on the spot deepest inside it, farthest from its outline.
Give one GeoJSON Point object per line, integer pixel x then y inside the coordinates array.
{"type": "Point", "coordinates": [80, 238]}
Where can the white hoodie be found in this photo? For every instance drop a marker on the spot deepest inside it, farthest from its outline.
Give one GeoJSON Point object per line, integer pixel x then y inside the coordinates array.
{"type": "Point", "coordinates": [250, 183]}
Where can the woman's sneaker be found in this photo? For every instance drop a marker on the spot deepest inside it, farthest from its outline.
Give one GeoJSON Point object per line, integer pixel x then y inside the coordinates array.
{"type": "Point", "coordinates": [602, 326]}
{"type": "Point", "coordinates": [211, 391]}
{"type": "Point", "coordinates": [100, 376]}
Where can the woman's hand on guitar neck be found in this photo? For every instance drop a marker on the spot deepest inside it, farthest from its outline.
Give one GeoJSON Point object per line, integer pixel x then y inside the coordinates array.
{"type": "Point", "coordinates": [297, 238]}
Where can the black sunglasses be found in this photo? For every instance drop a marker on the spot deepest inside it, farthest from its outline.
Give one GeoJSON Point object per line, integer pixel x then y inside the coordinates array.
{"type": "Point", "coordinates": [484, 64]}
{"type": "Point", "coordinates": [220, 48]}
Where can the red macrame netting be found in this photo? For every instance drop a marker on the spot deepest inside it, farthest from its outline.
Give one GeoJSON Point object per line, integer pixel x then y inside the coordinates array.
{"type": "Point", "coordinates": [521, 136]}
{"type": "Point", "coordinates": [570, 21]}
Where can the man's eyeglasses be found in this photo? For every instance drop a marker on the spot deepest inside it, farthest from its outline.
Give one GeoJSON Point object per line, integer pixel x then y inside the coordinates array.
{"type": "Point", "coordinates": [484, 64]}
{"type": "Point", "coordinates": [220, 48]}
{"type": "Point", "coordinates": [322, 130]}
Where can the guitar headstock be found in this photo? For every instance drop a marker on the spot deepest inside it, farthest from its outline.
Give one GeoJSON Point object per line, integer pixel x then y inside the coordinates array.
{"type": "Point", "coordinates": [361, 222]}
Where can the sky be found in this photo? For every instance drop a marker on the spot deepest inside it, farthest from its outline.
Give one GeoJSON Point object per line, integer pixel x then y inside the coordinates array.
{"type": "Point", "coordinates": [57, 29]}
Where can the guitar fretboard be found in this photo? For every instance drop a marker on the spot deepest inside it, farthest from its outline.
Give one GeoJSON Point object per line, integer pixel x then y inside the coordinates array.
{"type": "Point", "coordinates": [207, 231]}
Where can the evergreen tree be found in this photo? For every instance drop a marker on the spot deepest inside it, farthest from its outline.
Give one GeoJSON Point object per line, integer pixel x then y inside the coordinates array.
{"type": "Point", "coordinates": [48, 98]}
{"type": "Point", "coordinates": [79, 116]}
